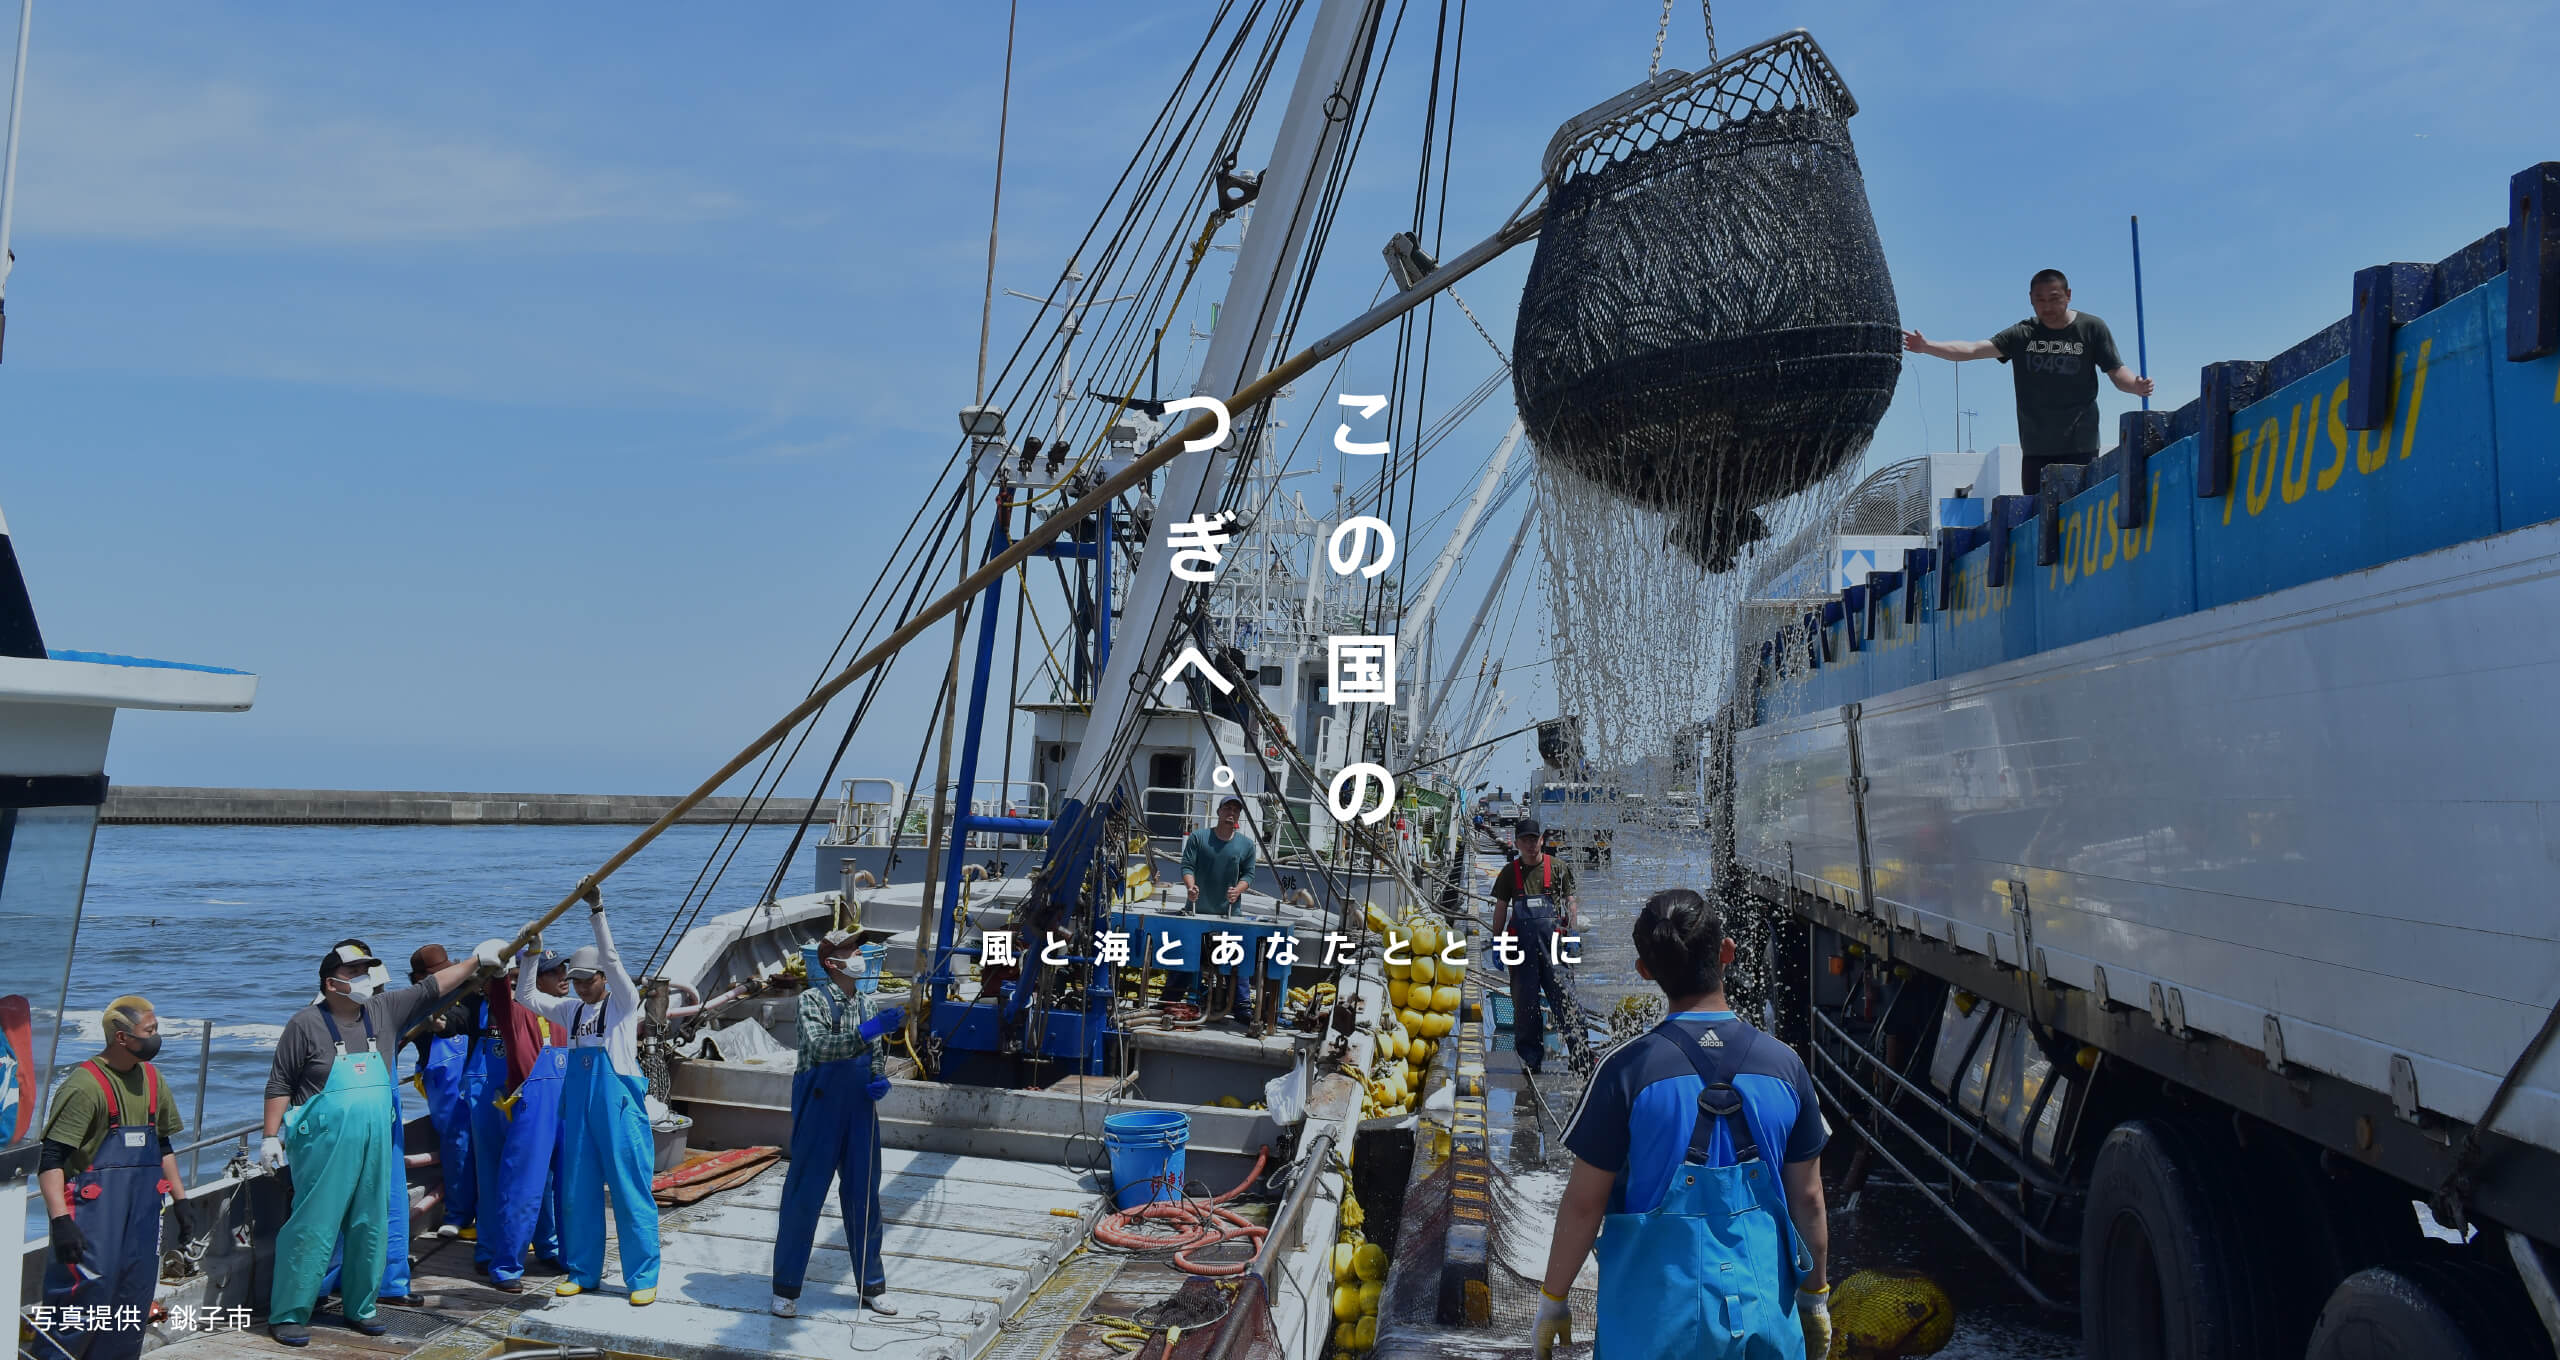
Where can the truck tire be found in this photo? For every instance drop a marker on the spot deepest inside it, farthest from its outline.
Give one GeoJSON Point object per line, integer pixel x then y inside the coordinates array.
{"type": "Point", "coordinates": [2336, 1225]}
{"type": "Point", "coordinates": [2171, 1260]}
{"type": "Point", "coordinates": [2428, 1309]}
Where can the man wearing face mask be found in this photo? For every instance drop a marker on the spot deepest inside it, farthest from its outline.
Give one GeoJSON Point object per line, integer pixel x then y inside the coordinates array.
{"type": "Point", "coordinates": [329, 1100]}
{"type": "Point", "coordinates": [835, 1122]}
{"type": "Point", "coordinates": [606, 1151]}
{"type": "Point", "coordinates": [105, 1163]}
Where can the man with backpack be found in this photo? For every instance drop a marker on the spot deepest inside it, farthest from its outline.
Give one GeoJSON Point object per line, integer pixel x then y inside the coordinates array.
{"type": "Point", "coordinates": [1697, 1167]}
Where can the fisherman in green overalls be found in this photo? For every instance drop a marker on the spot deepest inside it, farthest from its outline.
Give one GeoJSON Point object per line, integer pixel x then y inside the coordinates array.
{"type": "Point", "coordinates": [328, 1099]}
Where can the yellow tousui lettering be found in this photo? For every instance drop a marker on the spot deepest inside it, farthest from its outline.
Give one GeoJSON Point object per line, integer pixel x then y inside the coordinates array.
{"type": "Point", "coordinates": [2337, 439]}
{"type": "Point", "coordinates": [2231, 494]}
{"type": "Point", "coordinates": [2263, 452]}
{"type": "Point", "coordinates": [2298, 452]}
{"type": "Point", "coordinates": [2107, 515]}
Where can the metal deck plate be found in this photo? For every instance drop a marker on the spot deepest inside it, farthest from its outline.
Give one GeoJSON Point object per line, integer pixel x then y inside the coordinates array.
{"type": "Point", "coordinates": [967, 1239]}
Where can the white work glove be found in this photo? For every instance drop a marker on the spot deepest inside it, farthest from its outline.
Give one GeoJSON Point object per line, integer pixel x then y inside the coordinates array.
{"type": "Point", "coordinates": [1554, 1326]}
{"type": "Point", "coordinates": [491, 956]}
{"type": "Point", "coordinates": [271, 1153]}
{"type": "Point", "coordinates": [1813, 1312]}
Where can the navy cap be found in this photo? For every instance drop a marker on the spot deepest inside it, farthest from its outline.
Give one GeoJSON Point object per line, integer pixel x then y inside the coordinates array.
{"type": "Point", "coordinates": [1526, 826]}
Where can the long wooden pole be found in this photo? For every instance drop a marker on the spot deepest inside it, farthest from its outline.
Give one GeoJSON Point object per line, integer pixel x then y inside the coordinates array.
{"type": "Point", "coordinates": [1048, 531]}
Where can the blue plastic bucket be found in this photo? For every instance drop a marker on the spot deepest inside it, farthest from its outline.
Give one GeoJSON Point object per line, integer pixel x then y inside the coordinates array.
{"type": "Point", "coordinates": [1146, 1148]}
{"type": "Point", "coordinates": [875, 960]}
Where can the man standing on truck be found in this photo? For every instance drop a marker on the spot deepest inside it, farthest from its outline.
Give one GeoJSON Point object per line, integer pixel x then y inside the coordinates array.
{"type": "Point", "coordinates": [1534, 892]}
{"type": "Point", "coordinates": [2055, 357]}
{"type": "Point", "coordinates": [1699, 1144]}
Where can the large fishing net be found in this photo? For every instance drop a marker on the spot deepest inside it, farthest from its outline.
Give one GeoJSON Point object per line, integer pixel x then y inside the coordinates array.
{"type": "Point", "coordinates": [1646, 639]}
{"type": "Point", "coordinates": [1709, 325]}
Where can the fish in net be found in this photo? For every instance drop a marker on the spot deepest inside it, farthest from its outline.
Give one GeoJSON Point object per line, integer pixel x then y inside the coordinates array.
{"type": "Point", "coordinates": [1708, 325]}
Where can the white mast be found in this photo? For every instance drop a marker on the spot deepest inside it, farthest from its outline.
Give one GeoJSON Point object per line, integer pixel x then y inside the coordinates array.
{"type": "Point", "coordinates": [1492, 593]}
{"type": "Point", "coordinates": [1332, 70]}
{"type": "Point", "coordinates": [9, 170]}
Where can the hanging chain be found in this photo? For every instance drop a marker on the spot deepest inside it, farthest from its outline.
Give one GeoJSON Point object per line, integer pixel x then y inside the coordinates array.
{"type": "Point", "coordinates": [1662, 32]}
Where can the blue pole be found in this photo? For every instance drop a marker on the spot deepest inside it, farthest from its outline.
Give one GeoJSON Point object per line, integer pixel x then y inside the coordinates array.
{"type": "Point", "coordinates": [2141, 342]}
{"type": "Point", "coordinates": [1102, 595]}
{"type": "Point", "coordinates": [980, 677]}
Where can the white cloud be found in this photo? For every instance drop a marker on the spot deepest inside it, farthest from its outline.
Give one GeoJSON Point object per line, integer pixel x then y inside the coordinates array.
{"type": "Point", "coordinates": [225, 160]}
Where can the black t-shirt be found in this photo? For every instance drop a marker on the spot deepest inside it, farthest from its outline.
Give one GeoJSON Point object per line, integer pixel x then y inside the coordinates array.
{"type": "Point", "coordinates": [2056, 371]}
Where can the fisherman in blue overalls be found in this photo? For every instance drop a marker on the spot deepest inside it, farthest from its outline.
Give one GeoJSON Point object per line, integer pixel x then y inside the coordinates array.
{"type": "Point", "coordinates": [607, 1156]}
{"type": "Point", "coordinates": [1698, 1167]}
{"type": "Point", "coordinates": [518, 1086]}
{"type": "Point", "coordinates": [835, 1122]}
{"type": "Point", "coordinates": [1533, 901]}
{"type": "Point", "coordinates": [105, 1164]}
{"type": "Point", "coordinates": [443, 1070]}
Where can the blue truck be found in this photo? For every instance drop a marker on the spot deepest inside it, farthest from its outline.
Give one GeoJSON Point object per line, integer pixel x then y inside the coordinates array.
{"type": "Point", "coordinates": [2163, 871]}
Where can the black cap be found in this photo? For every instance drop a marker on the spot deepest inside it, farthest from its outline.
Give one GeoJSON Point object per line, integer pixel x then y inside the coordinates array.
{"type": "Point", "coordinates": [1526, 826]}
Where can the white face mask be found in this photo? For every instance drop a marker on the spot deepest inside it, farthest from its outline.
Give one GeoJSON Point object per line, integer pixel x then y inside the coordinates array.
{"type": "Point", "coordinates": [363, 987]}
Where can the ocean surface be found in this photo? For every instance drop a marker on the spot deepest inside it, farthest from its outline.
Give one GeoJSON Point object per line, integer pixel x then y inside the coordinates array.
{"type": "Point", "coordinates": [225, 925]}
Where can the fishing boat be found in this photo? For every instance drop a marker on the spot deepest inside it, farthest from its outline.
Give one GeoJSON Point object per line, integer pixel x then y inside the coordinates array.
{"type": "Point", "coordinates": [1332, 1187]}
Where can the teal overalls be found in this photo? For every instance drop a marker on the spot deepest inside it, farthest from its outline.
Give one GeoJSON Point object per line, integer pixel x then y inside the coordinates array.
{"type": "Point", "coordinates": [341, 1183]}
{"type": "Point", "coordinates": [1710, 1273]}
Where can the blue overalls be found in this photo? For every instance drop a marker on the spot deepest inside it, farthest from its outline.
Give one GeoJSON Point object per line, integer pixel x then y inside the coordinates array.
{"type": "Point", "coordinates": [445, 1078]}
{"type": "Point", "coordinates": [835, 1140]}
{"type": "Point", "coordinates": [484, 1083]}
{"type": "Point", "coordinates": [116, 1202]}
{"type": "Point", "coordinates": [521, 1213]}
{"type": "Point", "coordinates": [1535, 920]}
{"type": "Point", "coordinates": [1710, 1273]}
{"type": "Point", "coordinates": [607, 1153]}
{"type": "Point", "coordinates": [341, 1161]}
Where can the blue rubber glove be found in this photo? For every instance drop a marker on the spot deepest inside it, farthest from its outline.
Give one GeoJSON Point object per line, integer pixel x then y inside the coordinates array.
{"type": "Point", "coordinates": [879, 1087]}
{"type": "Point", "coordinates": [884, 1022]}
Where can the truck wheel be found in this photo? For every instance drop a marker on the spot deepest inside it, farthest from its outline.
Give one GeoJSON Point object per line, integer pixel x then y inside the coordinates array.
{"type": "Point", "coordinates": [2336, 1224]}
{"type": "Point", "coordinates": [2445, 1309]}
{"type": "Point", "coordinates": [2169, 1258]}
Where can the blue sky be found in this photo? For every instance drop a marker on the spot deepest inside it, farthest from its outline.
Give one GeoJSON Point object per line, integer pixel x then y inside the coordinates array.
{"type": "Point", "coordinates": [528, 393]}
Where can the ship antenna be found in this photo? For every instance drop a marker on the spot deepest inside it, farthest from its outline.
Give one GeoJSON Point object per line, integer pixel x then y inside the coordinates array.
{"type": "Point", "coordinates": [995, 210]}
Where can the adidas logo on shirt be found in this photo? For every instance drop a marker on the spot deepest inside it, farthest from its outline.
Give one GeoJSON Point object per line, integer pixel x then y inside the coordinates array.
{"type": "Point", "coordinates": [1710, 1040]}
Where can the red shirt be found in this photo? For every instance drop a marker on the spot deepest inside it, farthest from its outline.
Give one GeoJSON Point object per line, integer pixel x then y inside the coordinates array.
{"type": "Point", "coordinates": [526, 1033]}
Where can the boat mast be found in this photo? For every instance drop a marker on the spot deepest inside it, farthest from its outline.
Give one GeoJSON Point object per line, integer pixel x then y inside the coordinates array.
{"type": "Point", "coordinates": [9, 169]}
{"type": "Point", "coordinates": [1329, 80]}
{"type": "Point", "coordinates": [1492, 592]}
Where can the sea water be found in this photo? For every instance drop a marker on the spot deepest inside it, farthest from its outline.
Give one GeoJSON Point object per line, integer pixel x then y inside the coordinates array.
{"type": "Point", "coordinates": [225, 925]}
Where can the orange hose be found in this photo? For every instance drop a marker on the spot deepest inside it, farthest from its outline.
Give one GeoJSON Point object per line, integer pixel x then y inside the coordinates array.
{"type": "Point", "coordinates": [1208, 1223]}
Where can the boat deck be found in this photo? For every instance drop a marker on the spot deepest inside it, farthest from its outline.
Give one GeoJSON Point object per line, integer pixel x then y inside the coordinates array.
{"type": "Point", "coordinates": [967, 1240]}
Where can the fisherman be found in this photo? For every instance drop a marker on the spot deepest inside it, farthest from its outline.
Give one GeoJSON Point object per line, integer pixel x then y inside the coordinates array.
{"type": "Point", "coordinates": [1699, 1145]}
{"type": "Point", "coordinates": [2055, 357]}
{"type": "Point", "coordinates": [329, 1105]}
{"type": "Point", "coordinates": [606, 1148]}
{"type": "Point", "coordinates": [519, 1086]}
{"type": "Point", "coordinates": [444, 1063]}
{"type": "Point", "coordinates": [396, 1284]}
{"type": "Point", "coordinates": [835, 1122]}
{"type": "Point", "coordinates": [105, 1163]}
{"type": "Point", "coordinates": [1217, 867]}
{"type": "Point", "coordinates": [1538, 889]}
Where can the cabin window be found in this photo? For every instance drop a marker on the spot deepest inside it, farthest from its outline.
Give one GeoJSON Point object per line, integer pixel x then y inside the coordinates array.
{"type": "Point", "coordinates": [44, 866]}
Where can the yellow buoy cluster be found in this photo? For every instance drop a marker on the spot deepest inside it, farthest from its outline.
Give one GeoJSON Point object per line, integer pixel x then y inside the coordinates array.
{"type": "Point", "coordinates": [1359, 1277]}
{"type": "Point", "coordinates": [1422, 1009]}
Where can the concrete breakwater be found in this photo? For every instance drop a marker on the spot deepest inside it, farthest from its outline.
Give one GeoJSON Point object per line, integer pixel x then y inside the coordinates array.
{"type": "Point", "coordinates": [169, 805]}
